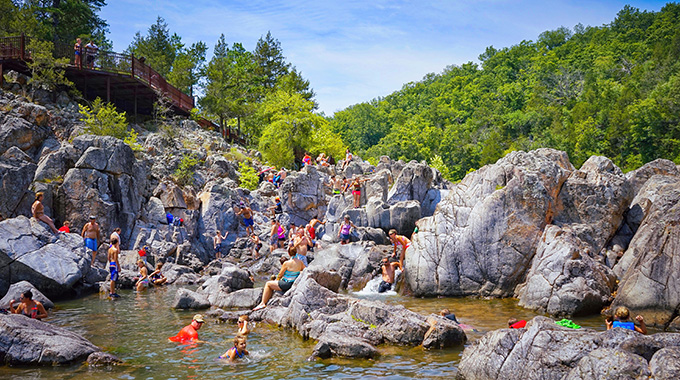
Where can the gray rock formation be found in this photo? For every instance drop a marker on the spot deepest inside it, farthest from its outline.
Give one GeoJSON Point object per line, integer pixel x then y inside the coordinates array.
{"type": "Point", "coordinates": [187, 299]}
{"type": "Point", "coordinates": [544, 350]}
{"type": "Point", "coordinates": [57, 265]}
{"type": "Point", "coordinates": [485, 233]}
{"type": "Point", "coordinates": [303, 195]}
{"type": "Point", "coordinates": [25, 341]}
{"type": "Point", "coordinates": [230, 279]}
{"type": "Point", "coordinates": [16, 174]}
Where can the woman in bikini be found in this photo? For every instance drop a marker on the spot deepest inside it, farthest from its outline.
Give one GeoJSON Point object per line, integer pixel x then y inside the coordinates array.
{"type": "Point", "coordinates": [28, 307]}
{"type": "Point", "coordinates": [356, 190]}
{"type": "Point", "coordinates": [290, 270]}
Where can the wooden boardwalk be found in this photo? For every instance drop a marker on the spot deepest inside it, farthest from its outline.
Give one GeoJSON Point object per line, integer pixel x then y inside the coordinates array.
{"type": "Point", "coordinates": [122, 79]}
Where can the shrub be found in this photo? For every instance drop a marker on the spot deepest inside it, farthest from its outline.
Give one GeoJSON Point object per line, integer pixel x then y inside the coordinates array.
{"type": "Point", "coordinates": [248, 178]}
{"type": "Point", "coordinates": [184, 174]}
{"type": "Point", "coordinates": [131, 140]}
{"type": "Point", "coordinates": [102, 119]}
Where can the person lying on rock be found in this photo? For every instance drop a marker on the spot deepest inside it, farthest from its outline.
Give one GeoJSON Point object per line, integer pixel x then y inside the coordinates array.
{"type": "Point", "coordinates": [38, 211]}
{"type": "Point", "coordinates": [189, 333]}
{"type": "Point", "coordinates": [28, 307]}
{"type": "Point", "coordinates": [290, 270]}
{"type": "Point", "coordinates": [621, 319]}
{"type": "Point", "coordinates": [399, 240]}
{"type": "Point", "coordinates": [238, 351]}
{"type": "Point", "coordinates": [157, 277]}
{"type": "Point", "coordinates": [388, 273]}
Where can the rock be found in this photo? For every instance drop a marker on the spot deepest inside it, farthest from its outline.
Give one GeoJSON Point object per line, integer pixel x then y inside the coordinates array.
{"type": "Point", "coordinates": [16, 130]}
{"type": "Point", "coordinates": [302, 195]}
{"type": "Point", "coordinates": [16, 174]}
{"type": "Point", "coordinates": [57, 265]}
{"type": "Point", "coordinates": [25, 341]}
{"type": "Point", "coordinates": [648, 268]}
{"type": "Point", "coordinates": [231, 279]}
{"type": "Point", "coordinates": [343, 346]}
{"type": "Point", "coordinates": [154, 212]}
{"type": "Point", "coordinates": [173, 271]}
{"type": "Point", "coordinates": [53, 166]}
{"type": "Point", "coordinates": [170, 195]}
{"type": "Point", "coordinates": [665, 364]}
{"type": "Point", "coordinates": [15, 291]}
{"type": "Point", "coordinates": [102, 359]}
{"type": "Point", "coordinates": [239, 299]}
{"type": "Point", "coordinates": [485, 233]}
{"type": "Point", "coordinates": [607, 363]}
{"type": "Point", "coordinates": [564, 280]}
{"type": "Point", "coordinates": [544, 350]}
{"type": "Point", "coordinates": [444, 333]}
{"type": "Point", "coordinates": [413, 183]}
{"type": "Point", "coordinates": [637, 178]}
{"type": "Point", "coordinates": [93, 158]}
{"type": "Point", "coordinates": [187, 299]}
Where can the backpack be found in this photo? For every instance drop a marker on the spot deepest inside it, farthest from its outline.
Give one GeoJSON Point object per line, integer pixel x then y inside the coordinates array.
{"type": "Point", "coordinates": [169, 217]}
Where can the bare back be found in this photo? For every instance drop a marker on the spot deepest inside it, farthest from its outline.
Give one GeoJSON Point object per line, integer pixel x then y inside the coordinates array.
{"type": "Point", "coordinates": [37, 209]}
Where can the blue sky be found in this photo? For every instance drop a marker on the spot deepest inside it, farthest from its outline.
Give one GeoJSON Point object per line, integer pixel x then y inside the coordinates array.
{"type": "Point", "coordinates": [354, 51]}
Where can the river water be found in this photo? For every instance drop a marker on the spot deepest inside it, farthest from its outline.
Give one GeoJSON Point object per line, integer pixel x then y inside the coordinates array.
{"type": "Point", "coordinates": [136, 327]}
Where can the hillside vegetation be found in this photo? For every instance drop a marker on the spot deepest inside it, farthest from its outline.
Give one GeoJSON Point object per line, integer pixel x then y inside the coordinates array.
{"type": "Point", "coordinates": [612, 90]}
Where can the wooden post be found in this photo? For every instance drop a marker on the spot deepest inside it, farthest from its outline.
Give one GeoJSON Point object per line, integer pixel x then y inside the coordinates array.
{"type": "Point", "coordinates": [132, 65]}
{"type": "Point", "coordinates": [135, 103]}
{"type": "Point", "coordinates": [2, 78]}
{"type": "Point", "coordinates": [22, 46]}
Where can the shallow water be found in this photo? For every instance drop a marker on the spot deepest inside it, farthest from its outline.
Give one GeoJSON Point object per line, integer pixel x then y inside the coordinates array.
{"type": "Point", "coordinates": [136, 327]}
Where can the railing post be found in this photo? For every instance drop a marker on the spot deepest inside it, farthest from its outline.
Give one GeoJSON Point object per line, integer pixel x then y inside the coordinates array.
{"type": "Point", "coordinates": [132, 65]}
{"type": "Point", "coordinates": [22, 46]}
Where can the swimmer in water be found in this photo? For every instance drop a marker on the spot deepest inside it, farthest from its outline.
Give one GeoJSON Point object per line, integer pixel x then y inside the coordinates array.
{"type": "Point", "coordinates": [238, 351]}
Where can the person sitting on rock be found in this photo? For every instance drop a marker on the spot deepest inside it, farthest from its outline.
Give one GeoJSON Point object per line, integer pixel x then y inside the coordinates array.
{"type": "Point", "coordinates": [238, 351]}
{"type": "Point", "coordinates": [348, 159]}
{"type": "Point", "coordinates": [399, 240]}
{"type": "Point", "coordinates": [345, 229]}
{"type": "Point", "coordinates": [143, 282]}
{"type": "Point", "coordinates": [513, 323]}
{"type": "Point", "coordinates": [257, 245]}
{"type": "Point", "coordinates": [277, 208]}
{"type": "Point", "coordinates": [189, 333]}
{"type": "Point", "coordinates": [66, 228]}
{"type": "Point", "coordinates": [28, 307]}
{"type": "Point", "coordinates": [290, 270]}
{"type": "Point", "coordinates": [157, 277]}
{"type": "Point", "coordinates": [621, 319]}
{"type": "Point", "coordinates": [243, 327]}
{"type": "Point", "coordinates": [38, 211]}
{"type": "Point", "coordinates": [388, 273]}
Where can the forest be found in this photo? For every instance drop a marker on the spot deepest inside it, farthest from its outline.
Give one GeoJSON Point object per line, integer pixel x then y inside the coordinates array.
{"type": "Point", "coordinates": [609, 90]}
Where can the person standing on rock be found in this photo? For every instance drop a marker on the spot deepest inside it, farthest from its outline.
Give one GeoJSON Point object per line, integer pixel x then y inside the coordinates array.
{"type": "Point", "coordinates": [247, 213]}
{"type": "Point", "coordinates": [397, 240]}
{"type": "Point", "coordinates": [388, 273]}
{"type": "Point", "coordinates": [257, 244]}
{"type": "Point", "coordinates": [38, 211]}
{"type": "Point", "coordinates": [277, 236]}
{"type": "Point", "coordinates": [217, 243]}
{"type": "Point", "coordinates": [345, 229]}
{"type": "Point", "coordinates": [356, 190]}
{"type": "Point", "coordinates": [91, 234]}
{"type": "Point", "coordinates": [114, 267]}
{"type": "Point", "coordinates": [621, 319]}
{"type": "Point", "coordinates": [28, 307]}
{"type": "Point", "coordinates": [116, 234]}
{"type": "Point", "coordinates": [189, 332]}
{"type": "Point", "coordinates": [311, 227]}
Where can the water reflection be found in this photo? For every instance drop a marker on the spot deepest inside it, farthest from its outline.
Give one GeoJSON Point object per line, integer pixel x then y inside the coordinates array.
{"type": "Point", "coordinates": [136, 327]}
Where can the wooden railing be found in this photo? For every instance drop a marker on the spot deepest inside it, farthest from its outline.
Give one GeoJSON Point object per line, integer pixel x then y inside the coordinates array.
{"type": "Point", "coordinates": [102, 60]}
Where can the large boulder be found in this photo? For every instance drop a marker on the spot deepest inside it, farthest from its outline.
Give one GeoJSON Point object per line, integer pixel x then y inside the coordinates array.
{"type": "Point", "coordinates": [413, 183]}
{"type": "Point", "coordinates": [546, 351]}
{"type": "Point", "coordinates": [230, 279]}
{"type": "Point", "coordinates": [16, 174]}
{"type": "Point", "coordinates": [484, 234]}
{"type": "Point", "coordinates": [187, 299]}
{"type": "Point", "coordinates": [650, 273]}
{"type": "Point", "coordinates": [16, 130]}
{"type": "Point", "coordinates": [57, 265]}
{"type": "Point", "coordinates": [25, 341]}
{"type": "Point", "coordinates": [302, 195]}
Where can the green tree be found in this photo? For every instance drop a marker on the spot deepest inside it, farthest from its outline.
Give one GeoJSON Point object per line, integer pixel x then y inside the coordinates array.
{"type": "Point", "coordinates": [102, 119]}
{"type": "Point", "coordinates": [158, 48]}
{"type": "Point", "coordinates": [46, 72]}
{"type": "Point", "coordinates": [271, 64]}
{"type": "Point", "coordinates": [188, 68]}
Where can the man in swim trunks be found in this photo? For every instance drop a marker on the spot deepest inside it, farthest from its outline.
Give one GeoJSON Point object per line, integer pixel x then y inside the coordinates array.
{"type": "Point", "coordinates": [114, 267]}
{"type": "Point", "coordinates": [247, 213]}
{"type": "Point", "coordinates": [189, 332]}
{"type": "Point", "coordinates": [91, 234]}
{"type": "Point", "coordinates": [399, 240]}
{"type": "Point", "coordinates": [387, 269]}
{"type": "Point", "coordinates": [217, 243]}
{"type": "Point", "coordinates": [300, 246]}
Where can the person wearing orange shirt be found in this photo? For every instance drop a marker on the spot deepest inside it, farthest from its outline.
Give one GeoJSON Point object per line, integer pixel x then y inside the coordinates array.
{"type": "Point", "coordinates": [189, 332]}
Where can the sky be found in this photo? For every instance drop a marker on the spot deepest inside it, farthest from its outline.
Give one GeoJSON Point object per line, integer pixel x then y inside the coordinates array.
{"type": "Point", "coordinates": [354, 51]}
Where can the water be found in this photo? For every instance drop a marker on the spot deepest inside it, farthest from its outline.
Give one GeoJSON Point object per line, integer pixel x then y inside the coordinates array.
{"type": "Point", "coordinates": [136, 327]}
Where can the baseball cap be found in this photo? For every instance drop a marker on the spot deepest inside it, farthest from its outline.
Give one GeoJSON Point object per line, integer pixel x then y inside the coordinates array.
{"type": "Point", "coordinates": [199, 318]}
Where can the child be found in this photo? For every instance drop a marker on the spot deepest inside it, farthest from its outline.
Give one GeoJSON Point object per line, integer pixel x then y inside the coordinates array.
{"type": "Point", "coordinates": [620, 319]}
{"type": "Point", "coordinates": [66, 227]}
{"type": "Point", "coordinates": [446, 313]}
{"type": "Point", "coordinates": [243, 328]}
{"type": "Point", "coordinates": [143, 281]}
{"type": "Point", "coordinates": [238, 351]}
{"type": "Point", "coordinates": [345, 228]}
{"type": "Point", "coordinates": [157, 277]}
{"type": "Point", "coordinates": [257, 245]}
